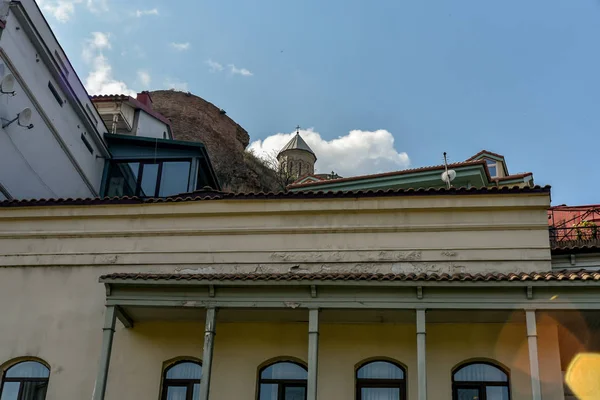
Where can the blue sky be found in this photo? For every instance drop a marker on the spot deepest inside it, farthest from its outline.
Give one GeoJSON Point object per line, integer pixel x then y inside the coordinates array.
{"type": "Point", "coordinates": [520, 78]}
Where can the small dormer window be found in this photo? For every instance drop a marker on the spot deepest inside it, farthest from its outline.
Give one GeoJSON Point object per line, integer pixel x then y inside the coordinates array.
{"type": "Point", "coordinates": [492, 167]}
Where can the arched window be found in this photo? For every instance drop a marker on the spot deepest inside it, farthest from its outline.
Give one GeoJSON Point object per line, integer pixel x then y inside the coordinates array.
{"type": "Point", "coordinates": [27, 380]}
{"type": "Point", "coordinates": [181, 381]}
{"type": "Point", "coordinates": [480, 380]}
{"type": "Point", "coordinates": [284, 380]}
{"type": "Point", "coordinates": [380, 380]}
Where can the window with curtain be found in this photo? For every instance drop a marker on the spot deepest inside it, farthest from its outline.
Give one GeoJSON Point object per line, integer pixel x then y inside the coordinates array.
{"type": "Point", "coordinates": [480, 381]}
{"type": "Point", "coordinates": [27, 380]}
{"type": "Point", "coordinates": [283, 380]}
{"type": "Point", "coordinates": [380, 380]}
{"type": "Point", "coordinates": [181, 381]}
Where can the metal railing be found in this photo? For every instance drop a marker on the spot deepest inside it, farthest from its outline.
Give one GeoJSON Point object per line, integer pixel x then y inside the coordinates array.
{"type": "Point", "coordinates": [576, 236]}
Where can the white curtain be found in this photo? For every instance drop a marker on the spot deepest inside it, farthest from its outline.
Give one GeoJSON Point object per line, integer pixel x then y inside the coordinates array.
{"type": "Point", "coordinates": [186, 370]}
{"type": "Point", "coordinates": [34, 390]}
{"type": "Point", "coordinates": [380, 370]}
{"type": "Point", "coordinates": [480, 373]}
{"type": "Point", "coordinates": [176, 393]}
{"type": "Point", "coordinates": [380, 394]}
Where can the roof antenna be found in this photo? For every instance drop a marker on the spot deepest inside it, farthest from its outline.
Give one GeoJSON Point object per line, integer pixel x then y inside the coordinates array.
{"type": "Point", "coordinates": [298, 130]}
{"type": "Point", "coordinates": [448, 175]}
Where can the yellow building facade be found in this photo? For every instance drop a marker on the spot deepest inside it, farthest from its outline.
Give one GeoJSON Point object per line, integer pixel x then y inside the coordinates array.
{"type": "Point", "coordinates": [426, 294]}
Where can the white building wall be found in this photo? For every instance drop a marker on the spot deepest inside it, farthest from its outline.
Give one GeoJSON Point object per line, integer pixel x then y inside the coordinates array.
{"type": "Point", "coordinates": [50, 160]}
{"type": "Point", "coordinates": [149, 126]}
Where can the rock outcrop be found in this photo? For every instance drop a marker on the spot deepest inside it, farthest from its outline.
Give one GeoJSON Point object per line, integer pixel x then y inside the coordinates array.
{"type": "Point", "coordinates": [195, 119]}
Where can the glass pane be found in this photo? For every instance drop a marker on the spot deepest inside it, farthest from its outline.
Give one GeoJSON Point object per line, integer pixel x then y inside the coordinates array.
{"type": "Point", "coordinates": [380, 394]}
{"type": "Point", "coordinates": [10, 391]}
{"type": "Point", "coordinates": [468, 394]}
{"type": "Point", "coordinates": [34, 390]}
{"type": "Point", "coordinates": [185, 370]}
{"type": "Point", "coordinates": [28, 369]}
{"type": "Point", "coordinates": [149, 178]}
{"type": "Point", "coordinates": [294, 393]}
{"type": "Point", "coordinates": [492, 170]}
{"type": "Point", "coordinates": [122, 180]}
{"type": "Point", "coordinates": [284, 370]}
{"type": "Point", "coordinates": [196, 393]}
{"type": "Point", "coordinates": [174, 178]}
{"type": "Point", "coordinates": [480, 373]}
{"type": "Point", "coordinates": [268, 391]}
{"type": "Point", "coordinates": [380, 370]}
{"type": "Point", "coordinates": [176, 393]}
{"type": "Point", "coordinates": [496, 393]}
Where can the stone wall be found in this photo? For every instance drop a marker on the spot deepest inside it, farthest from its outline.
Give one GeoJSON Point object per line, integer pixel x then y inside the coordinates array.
{"type": "Point", "coordinates": [297, 163]}
{"type": "Point", "coordinates": [197, 120]}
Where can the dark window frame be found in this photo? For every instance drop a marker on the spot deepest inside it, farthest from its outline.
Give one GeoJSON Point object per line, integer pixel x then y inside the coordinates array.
{"type": "Point", "coordinates": [282, 384]}
{"type": "Point", "coordinates": [363, 383]}
{"type": "Point", "coordinates": [21, 380]}
{"type": "Point", "coordinates": [187, 383]}
{"type": "Point", "coordinates": [140, 171]}
{"type": "Point", "coordinates": [479, 385]}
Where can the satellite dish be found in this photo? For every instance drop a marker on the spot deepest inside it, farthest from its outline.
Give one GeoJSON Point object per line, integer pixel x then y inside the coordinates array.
{"type": "Point", "coordinates": [7, 86]}
{"type": "Point", "coordinates": [448, 176]}
{"type": "Point", "coordinates": [25, 117]}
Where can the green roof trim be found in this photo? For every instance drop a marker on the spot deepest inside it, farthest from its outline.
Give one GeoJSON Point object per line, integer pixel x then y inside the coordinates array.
{"type": "Point", "coordinates": [470, 175]}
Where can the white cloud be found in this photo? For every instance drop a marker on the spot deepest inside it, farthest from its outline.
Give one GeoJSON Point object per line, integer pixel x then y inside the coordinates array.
{"type": "Point", "coordinates": [100, 80]}
{"type": "Point", "coordinates": [63, 10]}
{"type": "Point", "coordinates": [357, 153]}
{"type": "Point", "coordinates": [214, 66]}
{"type": "Point", "coordinates": [96, 6]}
{"type": "Point", "coordinates": [239, 71]}
{"type": "Point", "coordinates": [141, 13]}
{"type": "Point", "coordinates": [180, 46]}
{"type": "Point", "coordinates": [144, 78]}
{"type": "Point", "coordinates": [176, 84]}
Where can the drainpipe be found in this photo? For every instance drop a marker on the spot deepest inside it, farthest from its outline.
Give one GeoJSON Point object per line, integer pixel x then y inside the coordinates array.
{"type": "Point", "coordinates": [114, 123]}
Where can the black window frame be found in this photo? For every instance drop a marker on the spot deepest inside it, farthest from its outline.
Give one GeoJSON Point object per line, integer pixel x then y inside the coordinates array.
{"type": "Point", "coordinates": [140, 172]}
{"type": "Point", "coordinates": [282, 384]}
{"type": "Point", "coordinates": [22, 380]}
{"type": "Point", "coordinates": [363, 383]}
{"type": "Point", "coordinates": [479, 385]}
{"type": "Point", "coordinates": [187, 383]}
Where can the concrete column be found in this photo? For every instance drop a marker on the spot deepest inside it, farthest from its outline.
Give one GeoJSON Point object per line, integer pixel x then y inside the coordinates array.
{"type": "Point", "coordinates": [534, 365]}
{"type": "Point", "coordinates": [421, 357]}
{"type": "Point", "coordinates": [209, 340]}
{"type": "Point", "coordinates": [313, 354]}
{"type": "Point", "coordinates": [108, 332]}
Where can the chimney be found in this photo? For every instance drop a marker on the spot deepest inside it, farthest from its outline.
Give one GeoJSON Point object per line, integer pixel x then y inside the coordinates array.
{"type": "Point", "coordinates": [144, 98]}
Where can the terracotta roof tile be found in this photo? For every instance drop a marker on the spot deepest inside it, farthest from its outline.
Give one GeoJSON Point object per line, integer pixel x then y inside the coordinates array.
{"type": "Point", "coordinates": [567, 276]}
{"type": "Point", "coordinates": [513, 176]}
{"type": "Point", "coordinates": [205, 195]}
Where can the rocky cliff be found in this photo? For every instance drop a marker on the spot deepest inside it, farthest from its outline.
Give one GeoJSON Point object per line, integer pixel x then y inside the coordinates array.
{"type": "Point", "coordinates": [195, 119]}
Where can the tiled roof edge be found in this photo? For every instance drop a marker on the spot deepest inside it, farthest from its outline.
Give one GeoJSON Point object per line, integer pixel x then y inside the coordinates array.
{"type": "Point", "coordinates": [215, 195]}
{"type": "Point", "coordinates": [563, 275]}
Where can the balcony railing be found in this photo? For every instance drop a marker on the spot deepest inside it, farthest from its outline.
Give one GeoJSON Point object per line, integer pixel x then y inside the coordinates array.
{"type": "Point", "coordinates": [576, 236]}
